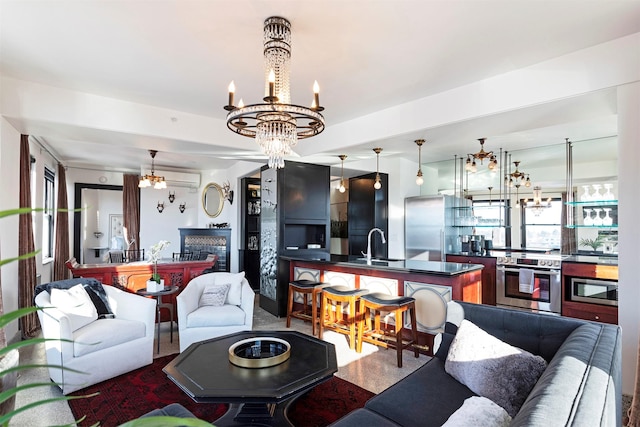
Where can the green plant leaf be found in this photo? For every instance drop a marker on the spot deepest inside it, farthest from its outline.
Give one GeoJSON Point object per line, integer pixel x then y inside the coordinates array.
{"type": "Point", "coordinates": [18, 258]}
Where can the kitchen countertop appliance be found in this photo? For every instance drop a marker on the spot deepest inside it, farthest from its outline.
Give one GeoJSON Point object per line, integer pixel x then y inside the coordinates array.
{"type": "Point", "coordinates": [529, 281]}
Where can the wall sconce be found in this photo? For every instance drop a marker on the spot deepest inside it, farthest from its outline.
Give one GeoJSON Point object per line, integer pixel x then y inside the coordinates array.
{"type": "Point", "coordinates": [160, 207]}
{"type": "Point", "coordinates": [227, 192]}
{"type": "Point", "coordinates": [172, 196]}
{"type": "Point", "coordinates": [378, 184]}
{"type": "Point", "coordinates": [182, 207]}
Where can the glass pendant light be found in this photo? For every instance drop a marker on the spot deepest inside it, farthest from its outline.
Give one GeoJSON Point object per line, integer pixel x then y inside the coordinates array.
{"type": "Point", "coordinates": [378, 184]}
{"type": "Point", "coordinates": [419, 179]}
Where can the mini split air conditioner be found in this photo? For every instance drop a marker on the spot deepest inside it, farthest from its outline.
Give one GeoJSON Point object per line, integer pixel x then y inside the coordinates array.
{"type": "Point", "coordinates": [176, 179]}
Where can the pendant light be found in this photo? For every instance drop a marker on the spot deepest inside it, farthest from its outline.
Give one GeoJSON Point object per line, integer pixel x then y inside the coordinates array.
{"type": "Point", "coordinates": [378, 183]}
{"type": "Point", "coordinates": [341, 188]}
{"type": "Point", "coordinates": [419, 179]}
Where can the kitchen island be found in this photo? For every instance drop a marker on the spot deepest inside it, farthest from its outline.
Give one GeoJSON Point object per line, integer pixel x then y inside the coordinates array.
{"type": "Point", "coordinates": [429, 282]}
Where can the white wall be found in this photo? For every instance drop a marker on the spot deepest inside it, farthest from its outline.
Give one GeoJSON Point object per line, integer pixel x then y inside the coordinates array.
{"type": "Point", "coordinates": [9, 173]}
{"type": "Point", "coordinates": [629, 230]}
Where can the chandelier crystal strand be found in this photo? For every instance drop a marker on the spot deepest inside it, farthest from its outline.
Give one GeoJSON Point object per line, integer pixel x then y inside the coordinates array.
{"type": "Point", "coordinates": [276, 124]}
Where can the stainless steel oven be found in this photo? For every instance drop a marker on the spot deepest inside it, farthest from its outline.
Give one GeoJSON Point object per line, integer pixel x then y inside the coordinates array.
{"type": "Point", "coordinates": [594, 291]}
{"type": "Point", "coordinates": [529, 281]}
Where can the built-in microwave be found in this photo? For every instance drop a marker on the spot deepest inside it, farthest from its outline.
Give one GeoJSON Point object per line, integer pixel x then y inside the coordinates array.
{"type": "Point", "coordinates": [594, 291]}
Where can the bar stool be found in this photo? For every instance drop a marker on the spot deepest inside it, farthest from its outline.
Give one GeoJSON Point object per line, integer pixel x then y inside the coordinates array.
{"type": "Point", "coordinates": [306, 288]}
{"type": "Point", "coordinates": [376, 303]}
{"type": "Point", "coordinates": [331, 314]}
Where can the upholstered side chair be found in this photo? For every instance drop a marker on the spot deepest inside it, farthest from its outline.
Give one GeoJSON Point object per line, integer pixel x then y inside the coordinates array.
{"type": "Point", "coordinates": [101, 349]}
{"type": "Point", "coordinates": [208, 308]}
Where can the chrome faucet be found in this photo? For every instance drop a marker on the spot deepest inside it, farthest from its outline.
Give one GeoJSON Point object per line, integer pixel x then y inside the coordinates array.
{"type": "Point", "coordinates": [368, 254]}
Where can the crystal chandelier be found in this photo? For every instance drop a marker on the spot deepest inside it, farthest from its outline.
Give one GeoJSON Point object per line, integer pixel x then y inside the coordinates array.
{"type": "Point", "coordinates": [276, 124]}
{"type": "Point", "coordinates": [537, 206]}
{"type": "Point", "coordinates": [516, 177]}
{"type": "Point", "coordinates": [481, 155]}
{"type": "Point", "coordinates": [147, 180]}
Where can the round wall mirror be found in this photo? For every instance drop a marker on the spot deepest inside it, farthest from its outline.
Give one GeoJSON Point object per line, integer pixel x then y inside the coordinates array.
{"type": "Point", "coordinates": [212, 199]}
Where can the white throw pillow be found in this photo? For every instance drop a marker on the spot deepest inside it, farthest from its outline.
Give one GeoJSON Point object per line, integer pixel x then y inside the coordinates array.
{"type": "Point", "coordinates": [214, 295]}
{"type": "Point", "coordinates": [478, 412]}
{"type": "Point", "coordinates": [493, 368]}
{"type": "Point", "coordinates": [76, 303]}
{"type": "Point", "coordinates": [234, 297]}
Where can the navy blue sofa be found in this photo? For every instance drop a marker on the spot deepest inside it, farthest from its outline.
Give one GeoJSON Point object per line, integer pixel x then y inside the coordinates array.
{"type": "Point", "coordinates": [581, 385]}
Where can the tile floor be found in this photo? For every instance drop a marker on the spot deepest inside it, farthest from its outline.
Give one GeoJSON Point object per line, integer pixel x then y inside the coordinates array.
{"type": "Point", "coordinates": [374, 369]}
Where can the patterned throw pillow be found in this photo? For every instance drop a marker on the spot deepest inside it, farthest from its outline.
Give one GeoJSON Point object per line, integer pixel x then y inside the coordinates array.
{"type": "Point", "coordinates": [214, 295]}
{"type": "Point", "coordinates": [492, 368]}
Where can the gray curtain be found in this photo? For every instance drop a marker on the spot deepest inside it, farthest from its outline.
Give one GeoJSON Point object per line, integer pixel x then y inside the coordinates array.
{"type": "Point", "coordinates": [61, 251]}
{"type": "Point", "coordinates": [131, 209]}
{"type": "Point", "coordinates": [26, 267]}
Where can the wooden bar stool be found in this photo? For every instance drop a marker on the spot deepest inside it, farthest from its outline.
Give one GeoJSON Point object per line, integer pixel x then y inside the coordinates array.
{"type": "Point", "coordinates": [306, 288]}
{"type": "Point", "coordinates": [332, 316]}
{"type": "Point", "coordinates": [380, 302]}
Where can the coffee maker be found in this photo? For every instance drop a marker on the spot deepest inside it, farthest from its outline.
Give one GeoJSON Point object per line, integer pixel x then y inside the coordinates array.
{"type": "Point", "coordinates": [476, 244]}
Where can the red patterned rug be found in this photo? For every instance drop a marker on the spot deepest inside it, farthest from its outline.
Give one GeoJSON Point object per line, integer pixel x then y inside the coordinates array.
{"type": "Point", "coordinates": [134, 394]}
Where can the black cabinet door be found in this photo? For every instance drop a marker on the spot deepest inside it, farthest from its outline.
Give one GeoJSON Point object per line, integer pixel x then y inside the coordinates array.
{"type": "Point", "coordinates": [367, 209]}
{"type": "Point", "coordinates": [304, 192]}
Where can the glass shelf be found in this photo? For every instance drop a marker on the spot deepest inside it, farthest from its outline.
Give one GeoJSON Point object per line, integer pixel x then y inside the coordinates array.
{"type": "Point", "coordinates": [594, 203]}
{"type": "Point", "coordinates": [593, 226]}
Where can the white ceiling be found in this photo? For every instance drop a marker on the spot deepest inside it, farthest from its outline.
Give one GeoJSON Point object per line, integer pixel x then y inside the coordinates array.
{"type": "Point", "coordinates": [367, 55]}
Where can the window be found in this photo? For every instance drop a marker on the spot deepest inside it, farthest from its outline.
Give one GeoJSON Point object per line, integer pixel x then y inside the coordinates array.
{"type": "Point", "coordinates": [490, 216]}
{"type": "Point", "coordinates": [48, 214]}
{"type": "Point", "coordinates": [541, 229]}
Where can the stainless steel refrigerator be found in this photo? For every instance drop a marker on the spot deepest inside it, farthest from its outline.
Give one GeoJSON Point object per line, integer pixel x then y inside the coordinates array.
{"type": "Point", "coordinates": [429, 229]}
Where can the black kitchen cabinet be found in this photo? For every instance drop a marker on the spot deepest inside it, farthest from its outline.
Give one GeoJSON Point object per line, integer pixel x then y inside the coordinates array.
{"type": "Point", "coordinates": [294, 221]}
{"type": "Point", "coordinates": [368, 208]}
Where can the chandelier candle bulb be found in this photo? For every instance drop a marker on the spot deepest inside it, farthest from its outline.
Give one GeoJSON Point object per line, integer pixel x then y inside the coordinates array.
{"type": "Point", "coordinates": [232, 90]}
{"type": "Point", "coordinates": [272, 85]}
{"type": "Point", "coordinates": [316, 94]}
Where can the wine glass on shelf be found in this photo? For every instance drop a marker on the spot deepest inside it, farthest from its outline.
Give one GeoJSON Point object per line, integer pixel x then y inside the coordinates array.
{"type": "Point", "coordinates": [585, 196]}
{"type": "Point", "coordinates": [587, 217]}
{"type": "Point", "coordinates": [596, 192]}
{"type": "Point", "coordinates": [607, 220]}
{"type": "Point", "coordinates": [597, 221]}
{"type": "Point", "coordinates": [608, 194]}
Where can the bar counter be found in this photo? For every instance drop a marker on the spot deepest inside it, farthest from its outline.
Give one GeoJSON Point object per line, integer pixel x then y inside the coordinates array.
{"type": "Point", "coordinates": [430, 283]}
{"type": "Point", "coordinates": [463, 279]}
{"type": "Point", "coordinates": [133, 276]}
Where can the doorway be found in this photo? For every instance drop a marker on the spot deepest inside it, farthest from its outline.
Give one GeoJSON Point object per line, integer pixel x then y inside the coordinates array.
{"type": "Point", "coordinates": [97, 206]}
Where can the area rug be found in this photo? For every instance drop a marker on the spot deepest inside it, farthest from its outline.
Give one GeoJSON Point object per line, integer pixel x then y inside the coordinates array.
{"type": "Point", "coordinates": [134, 394]}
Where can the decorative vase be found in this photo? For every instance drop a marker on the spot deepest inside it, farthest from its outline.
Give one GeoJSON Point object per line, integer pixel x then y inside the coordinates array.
{"type": "Point", "coordinates": [153, 286]}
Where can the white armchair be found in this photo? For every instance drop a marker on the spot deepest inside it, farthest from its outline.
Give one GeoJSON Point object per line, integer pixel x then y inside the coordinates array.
{"type": "Point", "coordinates": [102, 349]}
{"type": "Point", "coordinates": [198, 323]}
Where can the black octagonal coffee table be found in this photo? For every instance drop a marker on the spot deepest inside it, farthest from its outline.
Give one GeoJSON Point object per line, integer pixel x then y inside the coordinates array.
{"type": "Point", "coordinates": [257, 396]}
